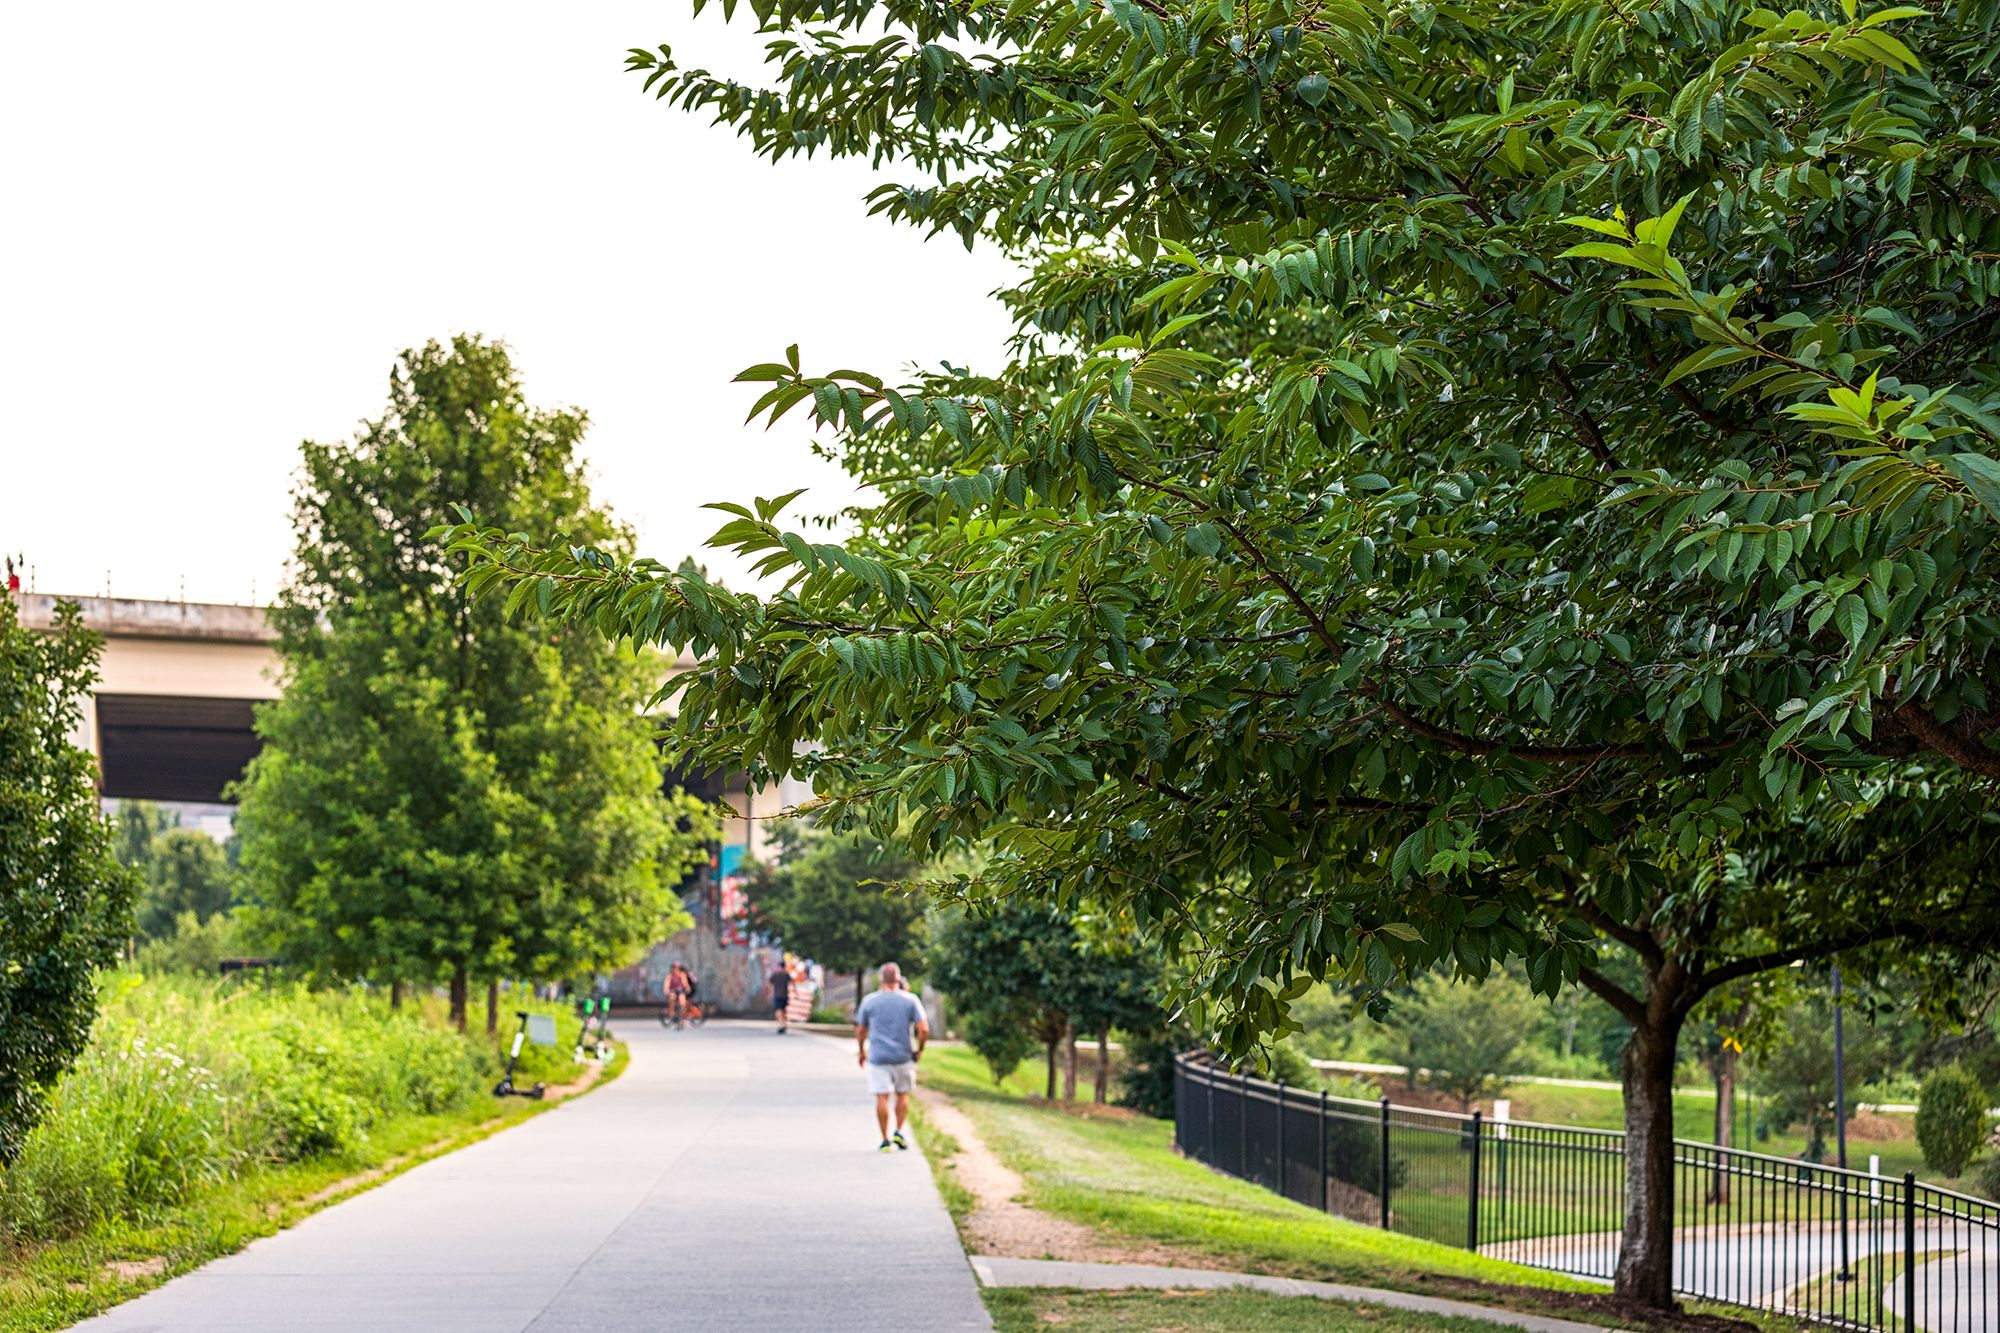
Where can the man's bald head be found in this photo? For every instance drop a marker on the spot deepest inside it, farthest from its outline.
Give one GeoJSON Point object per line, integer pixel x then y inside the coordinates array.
{"type": "Point", "coordinates": [892, 975]}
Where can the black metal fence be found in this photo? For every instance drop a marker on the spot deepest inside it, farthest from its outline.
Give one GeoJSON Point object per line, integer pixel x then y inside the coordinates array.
{"type": "Point", "coordinates": [1835, 1247]}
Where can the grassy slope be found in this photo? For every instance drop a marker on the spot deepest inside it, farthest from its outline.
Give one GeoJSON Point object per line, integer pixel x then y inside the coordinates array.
{"type": "Point", "coordinates": [54, 1285]}
{"type": "Point", "coordinates": [1123, 1177]}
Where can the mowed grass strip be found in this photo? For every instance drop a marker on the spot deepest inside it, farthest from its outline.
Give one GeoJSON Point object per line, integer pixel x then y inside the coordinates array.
{"type": "Point", "coordinates": [1020, 1309]}
{"type": "Point", "coordinates": [1122, 1176]}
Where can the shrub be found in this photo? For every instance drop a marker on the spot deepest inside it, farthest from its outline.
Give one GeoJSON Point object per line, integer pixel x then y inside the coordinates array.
{"type": "Point", "coordinates": [192, 946]}
{"type": "Point", "coordinates": [260, 1072]}
{"type": "Point", "coordinates": [998, 1034]}
{"type": "Point", "coordinates": [1146, 1082]}
{"type": "Point", "coordinates": [1951, 1119]}
{"type": "Point", "coordinates": [1466, 1035]}
{"type": "Point", "coordinates": [131, 1131]}
{"type": "Point", "coordinates": [1987, 1178]}
{"type": "Point", "coordinates": [65, 903]}
{"type": "Point", "coordinates": [1285, 1063]}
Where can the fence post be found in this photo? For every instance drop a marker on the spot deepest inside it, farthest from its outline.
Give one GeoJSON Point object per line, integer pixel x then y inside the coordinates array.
{"type": "Point", "coordinates": [1472, 1198]}
{"type": "Point", "coordinates": [1180, 1085]}
{"type": "Point", "coordinates": [1284, 1176]}
{"type": "Point", "coordinates": [1322, 1200]}
{"type": "Point", "coordinates": [1243, 1127]}
{"type": "Point", "coordinates": [1208, 1082]}
{"type": "Point", "coordinates": [1910, 1249]}
{"type": "Point", "coordinates": [1384, 1164]}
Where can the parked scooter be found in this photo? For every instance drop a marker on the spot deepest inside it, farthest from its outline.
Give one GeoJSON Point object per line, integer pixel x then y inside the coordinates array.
{"type": "Point", "coordinates": [505, 1087]}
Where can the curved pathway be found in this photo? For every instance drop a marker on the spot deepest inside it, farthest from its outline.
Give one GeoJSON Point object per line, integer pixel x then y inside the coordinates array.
{"type": "Point", "coordinates": [728, 1180]}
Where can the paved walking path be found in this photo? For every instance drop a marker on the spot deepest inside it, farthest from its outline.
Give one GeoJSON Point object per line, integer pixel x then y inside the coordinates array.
{"type": "Point", "coordinates": [997, 1272]}
{"type": "Point", "coordinates": [728, 1180]}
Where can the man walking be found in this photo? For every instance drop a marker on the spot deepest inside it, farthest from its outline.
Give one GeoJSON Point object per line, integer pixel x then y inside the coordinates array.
{"type": "Point", "coordinates": [781, 996]}
{"type": "Point", "coordinates": [891, 1031]}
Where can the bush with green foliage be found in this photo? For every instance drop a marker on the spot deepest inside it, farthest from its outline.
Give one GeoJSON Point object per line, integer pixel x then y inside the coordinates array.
{"type": "Point", "coordinates": [65, 902]}
{"type": "Point", "coordinates": [1986, 1179]}
{"type": "Point", "coordinates": [191, 945]}
{"type": "Point", "coordinates": [1951, 1119]}
{"type": "Point", "coordinates": [191, 1080]}
{"type": "Point", "coordinates": [997, 1034]}
{"type": "Point", "coordinates": [131, 1130]}
{"type": "Point", "coordinates": [1460, 1038]}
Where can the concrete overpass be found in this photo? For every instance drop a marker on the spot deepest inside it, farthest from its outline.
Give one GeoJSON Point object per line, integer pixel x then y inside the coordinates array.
{"type": "Point", "coordinates": [171, 717]}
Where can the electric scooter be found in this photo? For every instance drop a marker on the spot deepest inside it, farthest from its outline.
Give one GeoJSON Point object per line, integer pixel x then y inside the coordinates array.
{"type": "Point", "coordinates": [505, 1087]}
{"type": "Point", "coordinates": [601, 1005]}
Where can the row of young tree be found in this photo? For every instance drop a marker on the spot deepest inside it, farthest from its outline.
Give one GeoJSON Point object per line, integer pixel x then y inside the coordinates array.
{"type": "Point", "coordinates": [1473, 485]}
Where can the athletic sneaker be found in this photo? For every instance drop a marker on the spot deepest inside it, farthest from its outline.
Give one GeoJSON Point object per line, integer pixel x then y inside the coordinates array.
{"type": "Point", "coordinates": [898, 1140]}
{"type": "Point", "coordinates": [885, 1146]}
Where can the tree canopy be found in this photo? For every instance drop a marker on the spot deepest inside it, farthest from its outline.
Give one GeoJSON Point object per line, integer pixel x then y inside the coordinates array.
{"type": "Point", "coordinates": [441, 794]}
{"type": "Point", "coordinates": [1472, 481]}
{"type": "Point", "coordinates": [65, 902]}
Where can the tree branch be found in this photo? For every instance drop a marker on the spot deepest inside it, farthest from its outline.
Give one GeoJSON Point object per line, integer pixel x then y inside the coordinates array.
{"type": "Point", "coordinates": [1858, 938]}
{"type": "Point", "coordinates": [1961, 745]}
{"type": "Point", "coordinates": [1586, 425]}
{"type": "Point", "coordinates": [1614, 995]}
{"type": "Point", "coordinates": [1638, 941]}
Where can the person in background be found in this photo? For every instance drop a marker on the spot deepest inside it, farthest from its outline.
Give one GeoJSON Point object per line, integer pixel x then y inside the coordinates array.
{"type": "Point", "coordinates": [891, 1031]}
{"type": "Point", "coordinates": [679, 985]}
{"type": "Point", "coordinates": [781, 996]}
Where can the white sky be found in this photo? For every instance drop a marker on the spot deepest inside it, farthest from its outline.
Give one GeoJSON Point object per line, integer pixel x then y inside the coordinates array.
{"type": "Point", "coordinates": [222, 222]}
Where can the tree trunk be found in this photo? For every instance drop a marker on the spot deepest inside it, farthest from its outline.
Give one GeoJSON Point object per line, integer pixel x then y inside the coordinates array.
{"type": "Point", "coordinates": [1103, 1064]}
{"type": "Point", "coordinates": [492, 1007]}
{"type": "Point", "coordinates": [1052, 1043]}
{"type": "Point", "coordinates": [860, 985]}
{"type": "Point", "coordinates": [458, 996]}
{"type": "Point", "coordinates": [1645, 1272]}
{"type": "Point", "coordinates": [395, 995]}
{"type": "Point", "coordinates": [1069, 1062]}
{"type": "Point", "coordinates": [1725, 1120]}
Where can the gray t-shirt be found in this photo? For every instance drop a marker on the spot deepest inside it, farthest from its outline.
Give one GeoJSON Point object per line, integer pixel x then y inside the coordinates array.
{"type": "Point", "coordinates": [889, 1016]}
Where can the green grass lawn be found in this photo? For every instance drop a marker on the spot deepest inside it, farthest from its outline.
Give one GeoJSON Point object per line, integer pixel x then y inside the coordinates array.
{"type": "Point", "coordinates": [1020, 1310]}
{"type": "Point", "coordinates": [1123, 1177]}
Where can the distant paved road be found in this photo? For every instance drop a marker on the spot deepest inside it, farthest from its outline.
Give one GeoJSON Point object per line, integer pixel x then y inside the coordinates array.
{"type": "Point", "coordinates": [728, 1180]}
{"type": "Point", "coordinates": [1958, 1286]}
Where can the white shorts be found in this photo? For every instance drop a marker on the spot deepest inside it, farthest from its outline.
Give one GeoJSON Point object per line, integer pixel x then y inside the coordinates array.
{"type": "Point", "coordinates": [892, 1078]}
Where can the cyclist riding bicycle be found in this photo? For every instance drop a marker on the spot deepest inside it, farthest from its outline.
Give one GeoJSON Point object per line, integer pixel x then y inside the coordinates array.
{"type": "Point", "coordinates": [679, 987]}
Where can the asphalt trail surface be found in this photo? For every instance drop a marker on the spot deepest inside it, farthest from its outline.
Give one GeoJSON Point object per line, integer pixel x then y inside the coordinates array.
{"type": "Point", "coordinates": [728, 1180]}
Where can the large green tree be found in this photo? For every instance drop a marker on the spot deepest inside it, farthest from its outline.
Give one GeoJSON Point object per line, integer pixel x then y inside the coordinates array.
{"type": "Point", "coordinates": [1019, 968]}
{"type": "Point", "coordinates": [65, 902]}
{"type": "Point", "coordinates": [1474, 481]}
{"type": "Point", "coordinates": [187, 873]}
{"type": "Point", "coordinates": [442, 795]}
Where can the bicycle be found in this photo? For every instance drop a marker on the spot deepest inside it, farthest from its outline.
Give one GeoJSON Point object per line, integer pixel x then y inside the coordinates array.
{"type": "Point", "coordinates": [694, 1015]}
